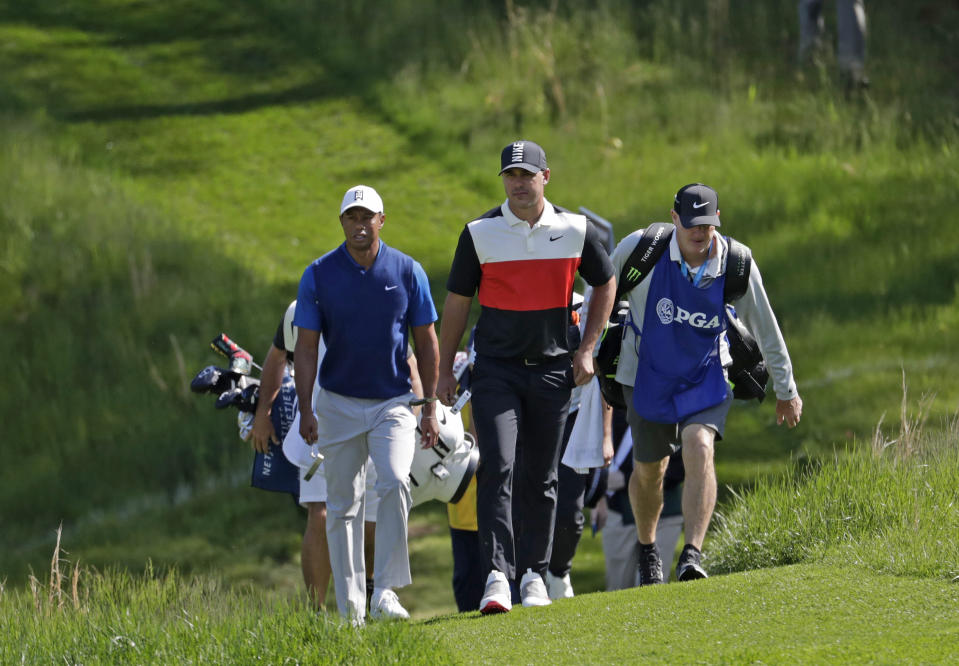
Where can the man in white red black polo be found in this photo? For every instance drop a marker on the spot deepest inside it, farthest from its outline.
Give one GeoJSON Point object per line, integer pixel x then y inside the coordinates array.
{"type": "Point", "coordinates": [521, 259]}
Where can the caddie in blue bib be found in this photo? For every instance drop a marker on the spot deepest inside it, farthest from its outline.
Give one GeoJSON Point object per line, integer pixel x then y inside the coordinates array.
{"type": "Point", "coordinates": [680, 372]}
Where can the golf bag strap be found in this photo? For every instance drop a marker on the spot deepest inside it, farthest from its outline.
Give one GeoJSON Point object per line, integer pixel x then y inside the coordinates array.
{"type": "Point", "coordinates": [648, 250]}
{"type": "Point", "coordinates": [739, 261]}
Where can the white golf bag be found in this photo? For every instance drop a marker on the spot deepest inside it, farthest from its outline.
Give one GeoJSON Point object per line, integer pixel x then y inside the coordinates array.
{"type": "Point", "coordinates": [443, 471]}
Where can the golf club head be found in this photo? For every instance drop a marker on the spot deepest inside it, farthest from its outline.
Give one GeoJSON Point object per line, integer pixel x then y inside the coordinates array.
{"type": "Point", "coordinates": [248, 398]}
{"type": "Point", "coordinates": [241, 361]}
{"type": "Point", "coordinates": [228, 398]}
{"type": "Point", "coordinates": [212, 379]}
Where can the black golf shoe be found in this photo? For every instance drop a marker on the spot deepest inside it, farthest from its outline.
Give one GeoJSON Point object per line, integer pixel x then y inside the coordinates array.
{"type": "Point", "coordinates": [689, 566]}
{"type": "Point", "coordinates": [650, 565]}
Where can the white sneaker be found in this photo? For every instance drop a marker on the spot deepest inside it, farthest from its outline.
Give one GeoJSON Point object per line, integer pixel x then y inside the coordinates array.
{"type": "Point", "coordinates": [532, 590]}
{"type": "Point", "coordinates": [385, 605]}
{"type": "Point", "coordinates": [496, 598]}
{"type": "Point", "coordinates": [559, 588]}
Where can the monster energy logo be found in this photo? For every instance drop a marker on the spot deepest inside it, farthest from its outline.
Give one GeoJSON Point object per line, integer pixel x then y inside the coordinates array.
{"type": "Point", "coordinates": [633, 274]}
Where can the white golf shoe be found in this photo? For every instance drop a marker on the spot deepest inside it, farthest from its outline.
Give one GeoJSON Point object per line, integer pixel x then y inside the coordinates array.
{"type": "Point", "coordinates": [532, 590]}
{"type": "Point", "coordinates": [385, 605]}
{"type": "Point", "coordinates": [496, 598]}
{"type": "Point", "coordinates": [559, 587]}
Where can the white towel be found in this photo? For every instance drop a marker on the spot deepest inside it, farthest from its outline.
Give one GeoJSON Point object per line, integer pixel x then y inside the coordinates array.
{"type": "Point", "coordinates": [296, 450]}
{"type": "Point", "coordinates": [585, 448]}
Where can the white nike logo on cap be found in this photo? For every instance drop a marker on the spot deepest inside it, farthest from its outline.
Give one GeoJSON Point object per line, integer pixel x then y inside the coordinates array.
{"type": "Point", "coordinates": [705, 203]}
{"type": "Point", "coordinates": [391, 288]}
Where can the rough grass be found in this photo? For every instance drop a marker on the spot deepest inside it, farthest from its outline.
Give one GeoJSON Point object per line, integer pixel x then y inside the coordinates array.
{"type": "Point", "coordinates": [890, 507]}
{"type": "Point", "coordinates": [112, 617]}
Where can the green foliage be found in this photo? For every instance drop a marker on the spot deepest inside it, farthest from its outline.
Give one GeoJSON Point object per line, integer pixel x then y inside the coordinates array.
{"type": "Point", "coordinates": [104, 306]}
{"type": "Point", "coordinates": [113, 617]}
{"type": "Point", "coordinates": [892, 509]}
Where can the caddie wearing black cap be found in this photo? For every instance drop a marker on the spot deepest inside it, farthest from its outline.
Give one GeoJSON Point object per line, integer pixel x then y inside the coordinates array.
{"type": "Point", "coordinates": [675, 353]}
{"type": "Point", "coordinates": [521, 259]}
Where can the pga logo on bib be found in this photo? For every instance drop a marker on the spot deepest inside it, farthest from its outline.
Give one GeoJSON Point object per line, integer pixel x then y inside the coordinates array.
{"type": "Point", "coordinates": [668, 313]}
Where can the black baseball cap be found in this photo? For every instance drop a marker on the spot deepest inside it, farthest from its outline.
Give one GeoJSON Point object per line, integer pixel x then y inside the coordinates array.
{"type": "Point", "coordinates": [523, 155]}
{"type": "Point", "coordinates": [697, 204]}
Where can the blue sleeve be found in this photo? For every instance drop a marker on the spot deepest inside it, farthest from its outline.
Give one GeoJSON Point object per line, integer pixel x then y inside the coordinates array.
{"type": "Point", "coordinates": [307, 313]}
{"type": "Point", "coordinates": [422, 309]}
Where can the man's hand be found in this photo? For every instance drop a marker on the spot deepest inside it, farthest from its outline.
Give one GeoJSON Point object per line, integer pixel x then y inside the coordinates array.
{"type": "Point", "coordinates": [446, 388]}
{"type": "Point", "coordinates": [609, 452]}
{"type": "Point", "coordinates": [599, 514]}
{"type": "Point", "coordinates": [583, 367]}
{"type": "Point", "coordinates": [263, 433]}
{"type": "Point", "coordinates": [271, 378]}
{"type": "Point", "coordinates": [309, 428]}
{"type": "Point", "coordinates": [429, 428]}
{"type": "Point", "coordinates": [789, 411]}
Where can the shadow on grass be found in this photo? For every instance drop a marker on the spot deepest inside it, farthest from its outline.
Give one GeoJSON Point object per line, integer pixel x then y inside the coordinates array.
{"type": "Point", "coordinates": [255, 48]}
{"type": "Point", "coordinates": [242, 104]}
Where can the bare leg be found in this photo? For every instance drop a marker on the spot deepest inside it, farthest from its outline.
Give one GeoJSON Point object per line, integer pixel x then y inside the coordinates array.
{"type": "Point", "coordinates": [315, 554]}
{"type": "Point", "coordinates": [646, 497]}
{"type": "Point", "coordinates": [369, 541]}
{"type": "Point", "coordinates": [699, 489]}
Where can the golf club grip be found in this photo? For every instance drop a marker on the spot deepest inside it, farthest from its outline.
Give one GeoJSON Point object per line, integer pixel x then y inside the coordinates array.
{"type": "Point", "coordinates": [222, 344]}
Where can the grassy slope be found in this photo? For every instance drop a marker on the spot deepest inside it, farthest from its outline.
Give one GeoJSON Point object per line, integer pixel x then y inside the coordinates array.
{"type": "Point", "coordinates": [184, 162]}
{"type": "Point", "coordinates": [797, 614]}
{"type": "Point", "coordinates": [803, 614]}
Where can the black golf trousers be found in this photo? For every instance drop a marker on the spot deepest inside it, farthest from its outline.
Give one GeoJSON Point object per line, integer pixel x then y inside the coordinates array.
{"type": "Point", "coordinates": [518, 404]}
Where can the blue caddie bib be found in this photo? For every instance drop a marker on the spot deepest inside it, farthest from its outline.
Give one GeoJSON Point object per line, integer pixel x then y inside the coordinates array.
{"type": "Point", "coordinates": [679, 371]}
{"type": "Point", "coordinates": [271, 470]}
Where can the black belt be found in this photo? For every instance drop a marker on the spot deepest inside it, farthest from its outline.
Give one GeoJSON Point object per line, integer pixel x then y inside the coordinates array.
{"type": "Point", "coordinates": [531, 361]}
{"type": "Point", "coordinates": [542, 360]}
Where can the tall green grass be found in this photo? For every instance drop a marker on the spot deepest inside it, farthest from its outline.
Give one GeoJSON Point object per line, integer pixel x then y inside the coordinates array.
{"type": "Point", "coordinates": [80, 615]}
{"type": "Point", "coordinates": [107, 313]}
{"type": "Point", "coordinates": [888, 507]}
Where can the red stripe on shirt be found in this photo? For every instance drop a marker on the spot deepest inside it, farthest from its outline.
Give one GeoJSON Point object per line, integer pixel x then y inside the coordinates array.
{"type": "Point", "coordinates": [531, 284]}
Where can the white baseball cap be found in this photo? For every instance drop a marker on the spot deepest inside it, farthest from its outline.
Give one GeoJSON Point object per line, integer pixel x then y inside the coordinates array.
{"type": "Point", "coordinates": [363, 196]}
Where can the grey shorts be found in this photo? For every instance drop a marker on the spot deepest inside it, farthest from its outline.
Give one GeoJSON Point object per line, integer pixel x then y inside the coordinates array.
{"type": "Point", "coordinates": [654, 441]}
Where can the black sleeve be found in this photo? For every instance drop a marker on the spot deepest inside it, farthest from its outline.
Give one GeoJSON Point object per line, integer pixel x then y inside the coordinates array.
{"type": "Point", "coordinates": [595, 266]}
{"type": "Point", "coordinates": [280, 343]}
{"type": "Point", "coordinates": [465, 272]}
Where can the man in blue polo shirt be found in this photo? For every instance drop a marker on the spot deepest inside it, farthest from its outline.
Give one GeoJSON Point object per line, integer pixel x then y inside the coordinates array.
{"type": "Point", "coordinates": [365, 298]}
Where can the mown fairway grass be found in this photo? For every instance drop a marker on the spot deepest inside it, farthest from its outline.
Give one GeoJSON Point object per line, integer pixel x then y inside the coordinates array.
{"type": "Point", "coordinates": [793, 615]}
{"type": "Point", "coordinates": [167, 169]}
